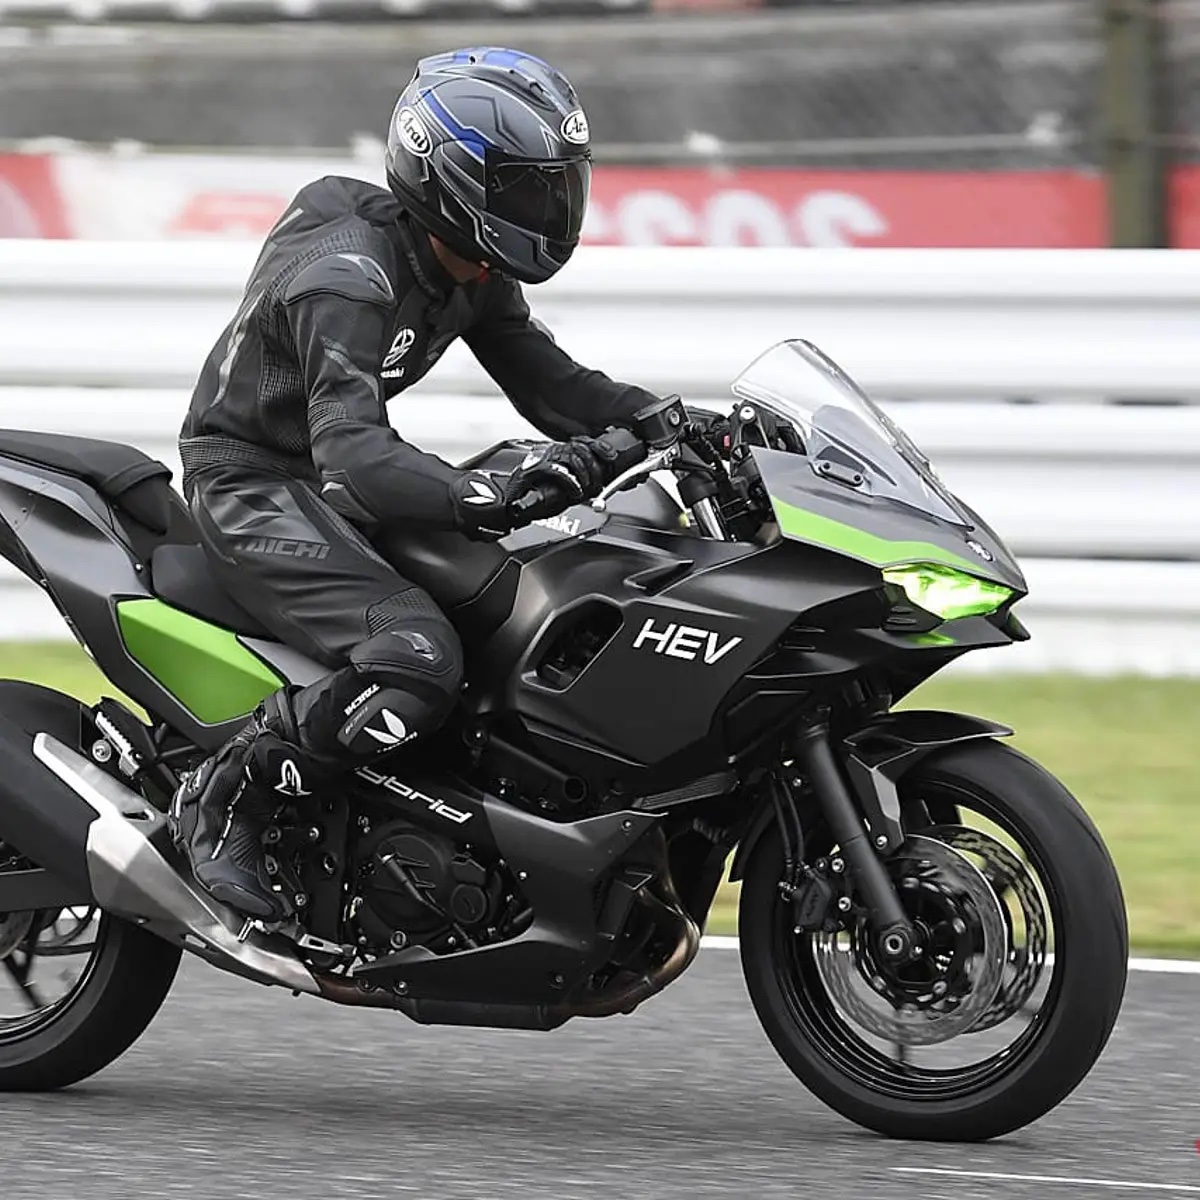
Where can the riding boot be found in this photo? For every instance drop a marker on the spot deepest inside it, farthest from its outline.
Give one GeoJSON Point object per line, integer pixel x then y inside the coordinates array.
{"type": "Point", "coordinates": [221, 810]}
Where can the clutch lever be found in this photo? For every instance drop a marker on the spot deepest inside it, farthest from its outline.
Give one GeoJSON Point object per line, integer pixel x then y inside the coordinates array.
{"type": "Point", "coordinates": [656, 460]}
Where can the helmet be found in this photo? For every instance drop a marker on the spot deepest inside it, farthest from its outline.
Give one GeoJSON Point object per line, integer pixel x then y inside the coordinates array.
{"type": "Point", "coordinates": [488, 149]}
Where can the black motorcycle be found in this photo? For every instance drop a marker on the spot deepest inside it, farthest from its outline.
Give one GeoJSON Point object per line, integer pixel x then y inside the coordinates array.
{"type": "Point", "coordinates": [702, 663]}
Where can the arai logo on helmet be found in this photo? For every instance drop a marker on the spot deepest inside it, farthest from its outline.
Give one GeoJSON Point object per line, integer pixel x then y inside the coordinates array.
{"type": "Point", "coordinates": [412, 133]}
{"type": "Point", "coordinates": [981, 550]}
{"type": "Point", "coordinates": [575, 128]}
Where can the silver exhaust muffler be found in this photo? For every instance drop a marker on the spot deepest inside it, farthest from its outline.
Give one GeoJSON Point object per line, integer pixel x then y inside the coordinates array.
{"type": "Point", "coordinates": [131, 878]}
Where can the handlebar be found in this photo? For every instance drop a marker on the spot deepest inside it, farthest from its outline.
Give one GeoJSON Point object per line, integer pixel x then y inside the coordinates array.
{"type": "Point", "coordinates": [655, 443]}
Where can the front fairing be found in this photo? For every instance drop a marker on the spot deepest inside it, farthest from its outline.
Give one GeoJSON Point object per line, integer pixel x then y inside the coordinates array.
{"type": "Point", "coordinates": [821, 512]}
{"type": "Point", "coordinates": [860, 487]}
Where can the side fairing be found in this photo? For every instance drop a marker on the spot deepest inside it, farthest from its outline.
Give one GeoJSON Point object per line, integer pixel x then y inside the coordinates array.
{"type": "Point", "coordinates": [206, 668]}
{"type": "Point", "coordinates": [688, 619]}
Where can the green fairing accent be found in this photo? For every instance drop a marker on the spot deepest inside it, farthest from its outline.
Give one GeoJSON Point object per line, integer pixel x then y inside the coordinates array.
{"type": "Point", "coordinates": [926, 640]}
{"type": "Point", "coordinates": [880, 552]}
{"type": "Point", "coordinates": [203, 666]}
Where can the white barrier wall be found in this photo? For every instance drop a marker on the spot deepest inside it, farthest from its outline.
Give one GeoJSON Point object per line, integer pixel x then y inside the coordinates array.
{"type": "Point", "coordinates": [907, 323]}
{"type": "Point", "coordinates": [1056, 391]}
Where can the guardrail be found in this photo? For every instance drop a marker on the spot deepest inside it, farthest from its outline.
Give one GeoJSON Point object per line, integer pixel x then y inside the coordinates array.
{"type": "Point", "coordinates": [907, 323]}
{"type": "Point", "coordinates": [1058, 392]}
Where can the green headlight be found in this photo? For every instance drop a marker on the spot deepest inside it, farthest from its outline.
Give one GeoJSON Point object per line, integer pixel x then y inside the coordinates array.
{"type": "Point", "coordinates": [946, 592]}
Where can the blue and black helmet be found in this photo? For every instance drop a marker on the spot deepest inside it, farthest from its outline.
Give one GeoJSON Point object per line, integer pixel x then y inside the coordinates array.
{"type": "Point", "coordinates": [488, 149]}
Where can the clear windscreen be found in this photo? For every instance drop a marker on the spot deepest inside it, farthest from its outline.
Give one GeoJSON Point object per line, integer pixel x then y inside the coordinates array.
{"type": "Point", "coordinates": [847, 438]}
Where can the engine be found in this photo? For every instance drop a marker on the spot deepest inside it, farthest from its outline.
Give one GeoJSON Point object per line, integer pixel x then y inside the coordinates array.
{"type": "Point", "coordinates": [413, 887]}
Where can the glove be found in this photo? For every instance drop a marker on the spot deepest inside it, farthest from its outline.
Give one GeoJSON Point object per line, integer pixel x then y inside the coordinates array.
{"type": "Point", "coordinates": [486, 506]}
{"type": "Point", "coordinates": [578, 469]}
{"type": "Point", "coordinates": [561, 474]}
{"type": "Point", "coordinates": [481, 505]}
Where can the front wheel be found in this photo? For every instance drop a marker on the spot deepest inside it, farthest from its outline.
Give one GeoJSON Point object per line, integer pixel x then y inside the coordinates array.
{"type": "Point", "coordinates": [1024, 955]}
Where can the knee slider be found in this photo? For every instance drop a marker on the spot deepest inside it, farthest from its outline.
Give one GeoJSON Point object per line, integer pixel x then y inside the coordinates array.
{"type": "Point", "coordinates": [423, 647]}
{"type": "Point", "coordinates": [411, 674]}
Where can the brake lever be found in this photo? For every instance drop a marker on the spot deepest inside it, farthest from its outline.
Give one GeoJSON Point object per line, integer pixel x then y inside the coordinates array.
{"type": "Point", "coordinates": [656, 460]}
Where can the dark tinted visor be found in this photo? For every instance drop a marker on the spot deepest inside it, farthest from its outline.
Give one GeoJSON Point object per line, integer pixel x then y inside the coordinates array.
{"type": "Point", "coordinates": [546, 198]}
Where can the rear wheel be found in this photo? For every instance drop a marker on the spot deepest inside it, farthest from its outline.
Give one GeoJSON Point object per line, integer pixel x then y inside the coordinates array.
{"type": "Point", "coordinates": [77, 988]}
{"type": "Point", "coordinates": [1025, 948]}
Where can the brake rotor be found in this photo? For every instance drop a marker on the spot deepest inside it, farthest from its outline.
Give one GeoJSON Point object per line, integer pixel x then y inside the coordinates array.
{"type": "Point", "coordinates": [1007, 873]}
{"type": "Point", "coordinates": [965, 943]}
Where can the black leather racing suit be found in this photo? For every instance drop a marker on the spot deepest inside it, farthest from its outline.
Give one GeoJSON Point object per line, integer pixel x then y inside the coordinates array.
{"type": "Point", "coordinates": [297, 480]}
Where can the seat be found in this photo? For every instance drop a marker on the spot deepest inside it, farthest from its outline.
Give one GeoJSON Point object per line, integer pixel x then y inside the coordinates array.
{"type": "Point", "coordinates": [477, 589]}
{"type": "Point", "coordinates": [182, 577]}
{"type": "Point", "coordinates": [136, 483]}
{"type": "Point", "coordinates": [475, 583]}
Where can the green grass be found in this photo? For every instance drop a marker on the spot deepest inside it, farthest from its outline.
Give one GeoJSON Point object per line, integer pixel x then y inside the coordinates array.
{"type": "Point", "coordinates": [1127, 748]}
{"type": "Point", "coordinates": [60, 665]}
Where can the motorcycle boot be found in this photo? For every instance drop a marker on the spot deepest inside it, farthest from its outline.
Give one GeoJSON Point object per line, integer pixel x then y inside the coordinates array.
{"type": "Point", "coordinates": [221, 810]}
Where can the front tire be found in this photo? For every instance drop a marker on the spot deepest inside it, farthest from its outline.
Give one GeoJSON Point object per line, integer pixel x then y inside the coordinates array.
{"type": "Point", "coordinates": [1062, 1041]}
{"type": "Point", "coordinates": [119, 991]}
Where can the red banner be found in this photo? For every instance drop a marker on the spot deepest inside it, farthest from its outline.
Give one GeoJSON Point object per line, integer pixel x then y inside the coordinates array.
{"type": "Point", "coordinates": [786, 207]}
{"type": "Point", "coordinates": [94, 195]}
{"type": "Point", "coordinates": [1184, 208]}
{"type": "Point", "coordinates": [29, 200]}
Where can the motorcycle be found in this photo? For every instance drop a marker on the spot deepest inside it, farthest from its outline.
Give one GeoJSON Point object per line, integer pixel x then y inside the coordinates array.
{"type": "Point", "coordinates": [699, 666]}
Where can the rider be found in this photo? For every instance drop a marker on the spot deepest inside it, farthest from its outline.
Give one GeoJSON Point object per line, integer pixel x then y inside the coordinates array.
{"type": "Point", "coordinates": [292, 470]}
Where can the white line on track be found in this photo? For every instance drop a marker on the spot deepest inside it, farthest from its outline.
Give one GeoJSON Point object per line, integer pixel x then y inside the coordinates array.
{"type": "Point", "coordinates": [1128, 1185]}
{"type": "Point", "coordinates": [1154, 966]}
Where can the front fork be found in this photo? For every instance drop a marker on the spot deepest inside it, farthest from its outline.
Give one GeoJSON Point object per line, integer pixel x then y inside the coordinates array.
{"type": "Point", "coordinates": [895, 935]}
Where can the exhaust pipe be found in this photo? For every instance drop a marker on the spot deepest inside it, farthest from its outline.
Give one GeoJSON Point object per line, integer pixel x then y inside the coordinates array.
{"type": "Point", "coordinates": [131, 878]}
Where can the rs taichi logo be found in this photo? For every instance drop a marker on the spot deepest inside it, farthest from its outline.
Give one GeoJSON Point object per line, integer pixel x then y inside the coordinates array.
{"type": "Point", "coordinates": [685, 641]}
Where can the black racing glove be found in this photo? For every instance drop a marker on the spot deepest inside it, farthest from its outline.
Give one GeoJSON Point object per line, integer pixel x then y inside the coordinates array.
{"type": "Point", "coordinates": [578, 469]}
{"type": "Point", "coordinates": [481, 505]}
{"type": "Point", "coordinates": [552, 478]}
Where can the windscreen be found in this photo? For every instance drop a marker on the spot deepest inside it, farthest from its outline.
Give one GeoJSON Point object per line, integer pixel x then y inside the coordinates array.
{"type": "Point", "coordinates": [848, 439]}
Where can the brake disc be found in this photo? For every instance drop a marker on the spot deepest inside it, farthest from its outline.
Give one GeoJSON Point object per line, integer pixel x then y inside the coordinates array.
{"type": "Point", "coordinates": [963, 981]}
{"type": "Point", "coordinates": [1007, 873]}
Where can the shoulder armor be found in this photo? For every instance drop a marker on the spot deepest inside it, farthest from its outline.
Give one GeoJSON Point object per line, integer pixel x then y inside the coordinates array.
{"type": "Point", "coordinates": [351, 276]}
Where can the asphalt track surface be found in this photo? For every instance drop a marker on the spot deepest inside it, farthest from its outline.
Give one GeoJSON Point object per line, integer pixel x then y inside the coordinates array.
{"type": "Point", "coordinates": [241, 1091]}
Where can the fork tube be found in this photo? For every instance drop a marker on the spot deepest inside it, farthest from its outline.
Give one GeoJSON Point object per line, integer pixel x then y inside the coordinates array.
{"type": "Point", "coordinates": [896, 937]}
{"type": "Point", "coordinates": [709, 520]}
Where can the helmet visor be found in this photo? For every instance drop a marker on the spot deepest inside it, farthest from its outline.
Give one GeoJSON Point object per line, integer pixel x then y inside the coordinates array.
{"type": "Point", "coordinates": [544, 198]}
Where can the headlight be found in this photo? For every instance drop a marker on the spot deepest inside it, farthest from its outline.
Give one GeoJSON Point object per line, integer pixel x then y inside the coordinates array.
{"type": "Point", "coordinates": [946, 592]}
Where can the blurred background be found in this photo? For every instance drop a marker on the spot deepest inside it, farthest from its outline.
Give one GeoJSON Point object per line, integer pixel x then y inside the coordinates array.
{"type": "Point", "coordinates": [1069, 123]}
{"type": "Point", "coordinates": [979, 157]}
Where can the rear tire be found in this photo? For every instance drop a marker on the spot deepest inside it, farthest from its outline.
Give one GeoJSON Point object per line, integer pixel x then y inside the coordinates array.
{"type": "Point", "coordinates": [1083, 999]}
{"type": "Point", "coordinates": [126, 982]}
